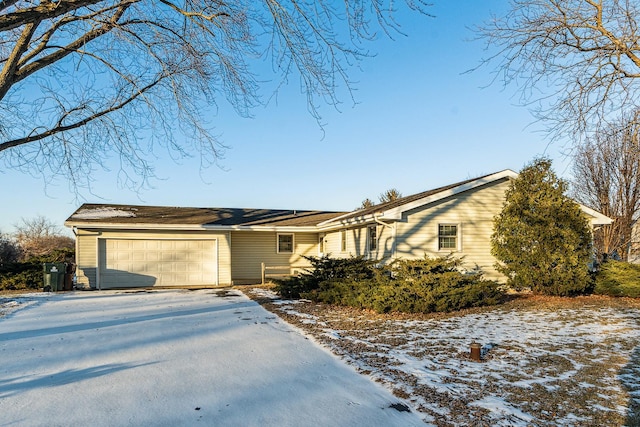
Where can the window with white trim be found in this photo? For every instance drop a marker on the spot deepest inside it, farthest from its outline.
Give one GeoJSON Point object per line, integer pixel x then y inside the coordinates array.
{"type": "Point", "coordinates": [285, 243]}
{"type": "Point", "coordinates": [448, 237]}
{"type": "Point", "coordinates": [343, 241]}
{"type": "Point", "coordinates": [321, 244]}
{"type": "Point", "coordinates": [373, 237]}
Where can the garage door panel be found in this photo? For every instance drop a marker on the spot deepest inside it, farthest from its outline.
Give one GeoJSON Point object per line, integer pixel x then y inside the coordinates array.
{"type": "Point", "coordinates": [156, 262]}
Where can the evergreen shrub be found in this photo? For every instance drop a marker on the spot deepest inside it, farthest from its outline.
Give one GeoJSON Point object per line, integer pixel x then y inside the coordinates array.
{"type": "Point", "coordinates": [325, 269]}
{"type": "Point", "coordinates": [541, 238]}
{"type": "Point", "coordinates": [618, 279]}
{"type": "Point", "coordinates": [411, 286]}
{"type": "Point", "coordinates": [29, 274]}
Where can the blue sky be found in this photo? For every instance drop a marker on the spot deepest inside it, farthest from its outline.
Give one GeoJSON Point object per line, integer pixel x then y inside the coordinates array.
{"type": "Point", "coordinates": [420, 122]}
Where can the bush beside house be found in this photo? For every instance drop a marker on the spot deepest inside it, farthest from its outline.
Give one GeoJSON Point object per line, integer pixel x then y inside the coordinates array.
{"type": "Point", "coordinates": [618, 279]}
{"type": "Point", "coordinates": [410, 286]}
{"type": "Point", "coordinates": [29, 273]}
{"type": "Point", "coordinates": [541, 238]}
{"type": "Point", "coordinates": [23, 254]}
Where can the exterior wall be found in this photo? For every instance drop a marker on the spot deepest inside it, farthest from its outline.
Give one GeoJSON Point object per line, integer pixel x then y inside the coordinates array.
{"type": "Point", "coordinates": [249, 249]}
{"type": "Point", "coordinates": [87, 250]}
{"type": "Point", "coordinates": [86, 259]}
{"type": "Point", "coordinates": [472, 211]}
{"type": "Point", "coordinates": [358, 242]}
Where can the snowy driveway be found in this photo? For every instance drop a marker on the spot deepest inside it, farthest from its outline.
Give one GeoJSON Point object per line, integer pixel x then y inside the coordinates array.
{"type": "Point", "coordinates": [173, 357]}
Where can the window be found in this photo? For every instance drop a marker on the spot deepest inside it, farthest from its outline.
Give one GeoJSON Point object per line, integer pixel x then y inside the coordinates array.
{"type": "Point", "coordinates": [321, 244]}
{"type": "Point", "coordinates": [343, 241]}
{"type": "Point", "coordinates": [447, 237]}
{"type": "Point", "coordinates": [285, 243]}
{"type": "Point", "coordinates": [373, 238]}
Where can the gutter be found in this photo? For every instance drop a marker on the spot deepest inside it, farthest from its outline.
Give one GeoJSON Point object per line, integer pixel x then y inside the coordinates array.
{"type": "Point", "coordinates": [191, 227]}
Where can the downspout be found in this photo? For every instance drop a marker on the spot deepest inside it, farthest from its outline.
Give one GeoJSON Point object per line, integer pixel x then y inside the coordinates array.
{"type": "Point", "coordinates": [393, 234]}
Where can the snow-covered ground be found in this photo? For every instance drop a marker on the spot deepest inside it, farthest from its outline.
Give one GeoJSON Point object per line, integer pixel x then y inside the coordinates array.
{"type": "Point", "coordinates": [171, 358]}
{"type": "Point", "coordinates": [211, 357]}
{"type": "Point", "coordinates": [563, 363]}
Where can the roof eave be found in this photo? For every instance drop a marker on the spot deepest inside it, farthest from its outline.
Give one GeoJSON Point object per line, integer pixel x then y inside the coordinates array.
{"type": "Point", "coordinates": [395, 214]}
{"type": "Point", "coordinates": [190, 227]}
{"type": "Point", "coordinates": [597, 217]}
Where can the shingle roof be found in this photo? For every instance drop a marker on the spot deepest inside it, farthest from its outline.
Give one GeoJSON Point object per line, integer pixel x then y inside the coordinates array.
{"type": "Point", "coordinates": [164, 215]}
{"type": "Point", "coordinates": [131, 214]}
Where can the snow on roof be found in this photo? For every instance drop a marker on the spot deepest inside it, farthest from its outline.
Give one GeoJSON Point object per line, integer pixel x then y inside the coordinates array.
{"type": "Point", "coordinates": [102, 213]}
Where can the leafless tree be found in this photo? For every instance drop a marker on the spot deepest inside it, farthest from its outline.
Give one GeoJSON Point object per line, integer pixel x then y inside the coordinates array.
{"type": "Point", "coordinates": [85, 80]}
{"type": "Point", "coordinates": [40, 236]}
{"type": "Point", "coordinates": [9, 249]}
{"type": "Point", "coordinates": [389, 195]}
{"type": "Point", "coordinates": [606, 173]}
{"type": "Point", "coordinates": [577, 62]}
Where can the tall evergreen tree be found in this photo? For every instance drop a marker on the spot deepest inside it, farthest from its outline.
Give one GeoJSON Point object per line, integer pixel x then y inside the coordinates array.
{"type": "Point", "coordinates": [541, 238]}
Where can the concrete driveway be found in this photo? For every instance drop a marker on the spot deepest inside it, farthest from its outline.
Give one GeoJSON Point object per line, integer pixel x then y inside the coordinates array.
{"type": "Point", "coordinates": [170, 358]}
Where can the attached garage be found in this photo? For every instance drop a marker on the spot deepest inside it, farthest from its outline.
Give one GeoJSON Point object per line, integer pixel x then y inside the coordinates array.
{"type": "Point", "coordinates": [124, 246]}
{"type": "Point", "coordinates": [157, 262]}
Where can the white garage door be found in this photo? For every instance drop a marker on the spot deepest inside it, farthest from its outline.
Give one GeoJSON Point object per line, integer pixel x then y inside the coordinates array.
{"type": "Point", "coordinates": [157, 262]}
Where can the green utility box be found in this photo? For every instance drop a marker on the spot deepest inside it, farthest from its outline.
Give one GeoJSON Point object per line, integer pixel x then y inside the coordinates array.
{"type": "Point", "coordinates": [54, 273]}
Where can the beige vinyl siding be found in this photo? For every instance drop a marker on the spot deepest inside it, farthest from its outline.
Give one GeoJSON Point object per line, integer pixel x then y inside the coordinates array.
{"type": "Point", "coordinates": [358, 243]}
{"type": "Point", "coordinates": [86, 259]}
{"type": "Point", "coordinates": [332, 244]}
{"type": "Point", "coordinates": [249, 249]}
{"type": "Point", "coordinates": [386, 242]}
{"type": "Point", "coordinates": [473, 212]}
{"type": "Point", "coordinates": [87, 256]}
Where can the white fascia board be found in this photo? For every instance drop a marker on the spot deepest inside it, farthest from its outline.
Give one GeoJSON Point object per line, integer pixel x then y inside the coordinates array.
{"type": "Point", "coordinates": [396, 213]}
{"type": "Point", "coordinates": [281, 229]}
{"type": "Point", "coordinates": [598, 218]}
{"type": "Point", "coordinates": [335, 223]}
{"type": "Point", "coordinates": [339, 219]}
{"type": "Point", "coordinates": [189, 227]}
{"type": "Point", "coordinates": [132, 226]}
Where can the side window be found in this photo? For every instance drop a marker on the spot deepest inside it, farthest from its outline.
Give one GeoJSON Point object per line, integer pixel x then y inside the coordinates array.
{"type": "Point", "coordinates": [373, 238]}
{"type": "Point", "coordinates": [285, 243]}
{"type": "Point", "coordinates": [343, 241]}
{"type": "Point", "coordinates": [321, 244]}
{"type": "Point", "coordinates": [448, 237]}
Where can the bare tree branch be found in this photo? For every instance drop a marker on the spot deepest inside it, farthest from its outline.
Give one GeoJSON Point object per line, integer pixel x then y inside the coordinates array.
{"type": "Point", "coordinates": [85, 81]}
{"type": "Point", "coordinates": [45, 10]}
{"type": "Point", "coordinates": [607, 178]}
{"type": "Point", "coordinates": [576, 63]}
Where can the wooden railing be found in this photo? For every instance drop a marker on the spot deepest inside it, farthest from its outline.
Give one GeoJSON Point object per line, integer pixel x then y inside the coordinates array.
{"type": "Point", "coordinates": [280, 271]}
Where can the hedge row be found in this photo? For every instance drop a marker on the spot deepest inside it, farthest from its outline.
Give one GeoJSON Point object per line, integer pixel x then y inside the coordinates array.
{"type": "Point", "coordinates": [410, 286]}
{"type": "Point", "coordinates": [29, 274]}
